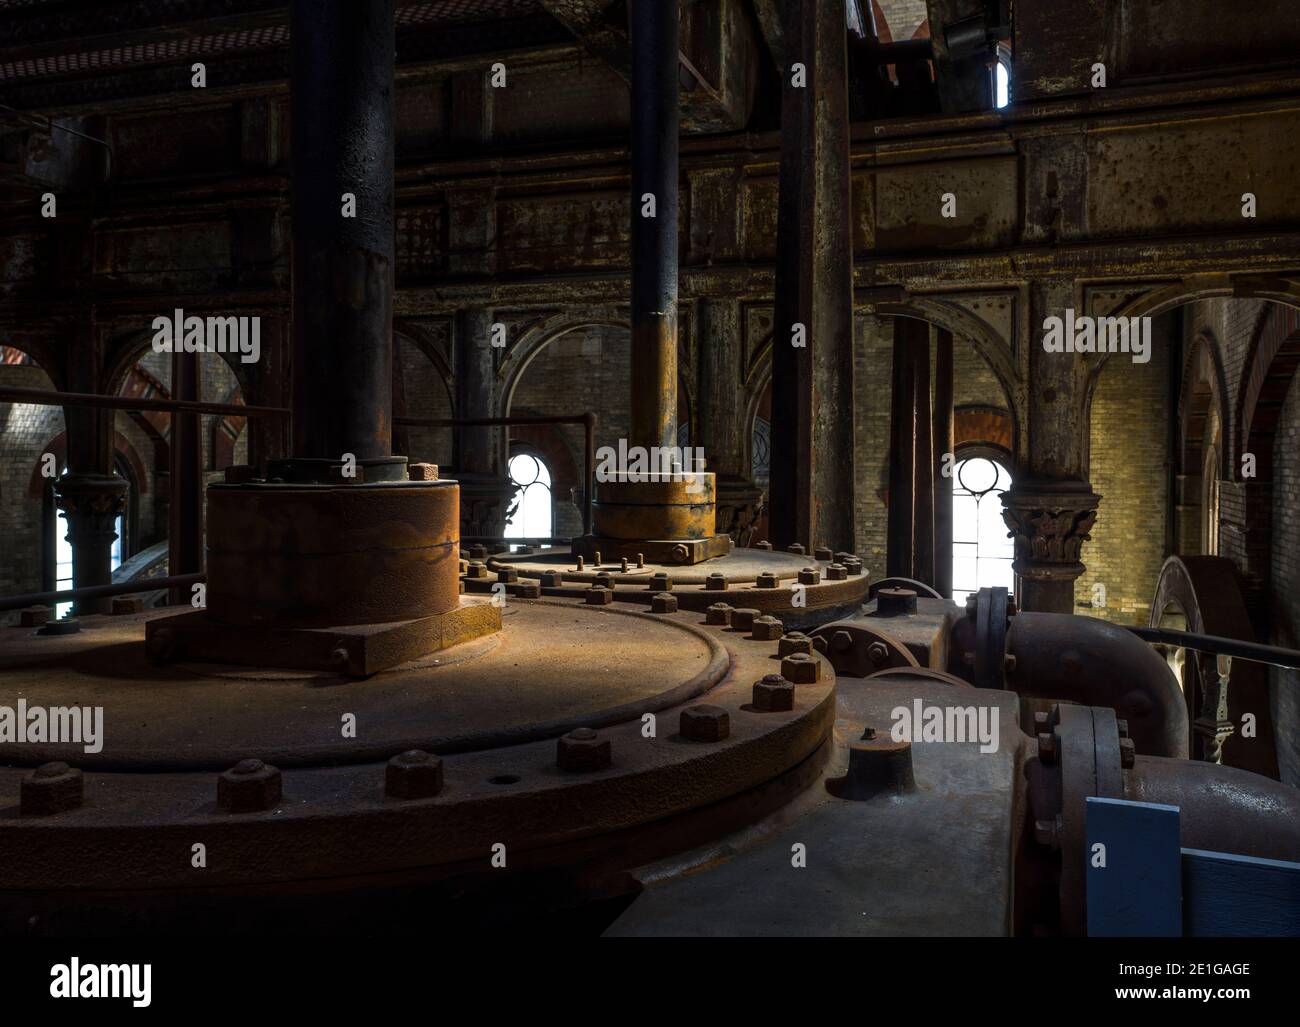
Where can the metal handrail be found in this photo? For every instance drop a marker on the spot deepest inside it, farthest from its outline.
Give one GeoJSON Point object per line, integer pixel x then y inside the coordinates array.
{"type": "Point", "coordinates": [1254, 652]}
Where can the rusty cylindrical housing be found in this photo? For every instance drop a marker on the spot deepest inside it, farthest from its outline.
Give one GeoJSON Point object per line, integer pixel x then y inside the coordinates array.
{"type": "Point", "coordinates": [323, 556]}
{"type": "Point", "coordinates": [657, 506]}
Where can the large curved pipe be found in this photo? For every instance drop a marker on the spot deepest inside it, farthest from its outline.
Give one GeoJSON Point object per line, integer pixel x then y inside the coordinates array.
{"type": "Point", "coordinates": [1093, 663]}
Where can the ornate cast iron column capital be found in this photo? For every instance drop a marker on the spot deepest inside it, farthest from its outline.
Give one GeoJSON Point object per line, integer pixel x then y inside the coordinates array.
{"type": "Point", "coordinates": [92, 503]}
{"type": "Point", "coordinates": [1049, 522]}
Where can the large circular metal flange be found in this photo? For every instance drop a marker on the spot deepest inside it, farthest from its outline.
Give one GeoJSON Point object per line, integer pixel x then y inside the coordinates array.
{"type": "Point", "coordinates": [136, 829]}
{"type": "Point", "coordinates": [661, 506]}
{"type": "Point", "coordinates": [911, 584]}
{"type": "Point", "coordinates": [321, 555]}
{"type": "Point", "coordinates": [992, 612]}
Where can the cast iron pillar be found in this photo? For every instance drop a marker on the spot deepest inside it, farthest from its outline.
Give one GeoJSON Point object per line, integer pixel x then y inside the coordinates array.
{"type": "Point", "coordinates": [342, 179]}
{"type": "Point", "coordinates": [485, 489]}
{"type": "Point", "coordinates": [654, 232]}
{"type": "Point", "coordinates": [89, 494]}
{"type": "Point", "coordinates": [812, 350]}
{"type": "Point", "coordinates": [1050, 509]}
{"type": "Point", "coordinates": [923, 464]}
{"type": "Point", "coordinates": [943, 447]}
{"type": "Point", "coordinates": [185, 454]}
{"type": "Point", "coordinates": [911, 336]}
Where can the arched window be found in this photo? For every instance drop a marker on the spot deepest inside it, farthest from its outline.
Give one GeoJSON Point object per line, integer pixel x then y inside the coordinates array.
{"type": "Point", "coordinates": [981, 551]}
{"type": "Point", "coordinates": [530, 514]}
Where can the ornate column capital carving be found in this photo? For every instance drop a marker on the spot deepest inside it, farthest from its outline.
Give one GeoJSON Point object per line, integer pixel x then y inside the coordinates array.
{"type": "Point", "coordinates": [92, 503]}
{"type": "Point", "coordinates": [1049, 522]}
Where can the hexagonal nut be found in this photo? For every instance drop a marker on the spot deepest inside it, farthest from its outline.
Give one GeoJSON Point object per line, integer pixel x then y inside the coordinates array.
{"type": "Point", "coordinates": [422, 472]}
{"type": "Point", "coordinates": [508, 574]}
{"type": "Point", "coordinates": [582, 750]}
{"type": "Point", "coordinates": [248, 787]}
{"type": "Point", "coordinates": [523, 550]}
{"type": "Point", "coordinates": [794, 642]}
{"type": "Point", "coordinates": [820, 644]}
{"type": "Point", "coordinates": [599, 596]}
{"type": "Point", "coordinates": [1127, 754]}
{"type": "Point", "coordinates": [552, 579]}
{"type": "Point", "coordinates": [33, 616]}
{"type": "Point", "coordinates": [824, 554]}
{"type": "Point", "coordinates": [478, 551]}
{"type": "Point", "coordinates": [50, 788]}
{"type": "Point", "coordinates": [603, 580]}
{"type": "Point", "coordinates": [716, 582]}
{"type": "Point", "coordinates": [768, 580]}
{"type": "Point", "coordinates": [1047, 748]}
{"type": "Point", "coordinates": [773, 694]}
{"type": "Point", "coordinates": [801, 668]}
{"type": "Point", "coordinates": [767, 629]}
{"type": "Point", "coordinates": [414, 774]}
{"type": "Point", "coordinates": [162, 645]}
{"type": "Point", "coordinates": [796, 548]}
{"type": "Point", "coordinates": [836, 572]}
{"type": "Point", "coordinates": [664, 602]}
{"type": "Point", "coordinates": [660, 583]}
{"type": "Point", "coordinates": [704, 723]}
{"type": "Point", "coordinates": [810, 576]}
{"type": "Point", "coordinates": [526, 590]}
{"type": "Point", "coordinates": [842, 641]}
{"type": "Point", "coordinates": [763, 545]}
{"type": "Point", "coordinates": [126, 605]}
{"type": "Point", "coordinates": [679, 554]}
{"type": "Point", "coordinates": [743, 619]}
{"type": "Point", "coordinates": [718, 613]}
{"type": "Point", "coordinates": [877, 652]}
{"type": "Point", "coordinates": [476, 569]}
{"type": "Point", "coordinates": [853, 565]}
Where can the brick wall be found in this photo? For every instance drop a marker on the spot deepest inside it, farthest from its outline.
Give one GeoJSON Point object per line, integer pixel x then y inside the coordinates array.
{"type": "Point", "coordinates": [1284, 685]}
{"type": "Point", "coordinates": [1127, 443]}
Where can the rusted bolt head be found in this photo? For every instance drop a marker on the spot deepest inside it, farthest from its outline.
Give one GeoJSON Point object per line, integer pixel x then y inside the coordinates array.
{"type": "Point", "coordinates": [796, 548]}
{"type": "Point", "coordinates": [640, 559]}
{"type": "Point", "coordinates": [836, 572]}
{"type": "Point", "coordinates": [679, 554]}
{"type": "Point", "coordinates": [1047, 748]}
{"type": "Point", "coordinates": [1040, 722]}
{"type": "Point", "coordinates": [718, 613]}
{"type": "Point", "coordinates": [595, 559]}
{"type": "Point", "coordinates": [801, 668]}
{"type": "Point", "coordinates": [716, 582]}
{"type": "Point", "coordinates": [660, 583]}
{"type": "Point", "coordinates": [794, 642]}
{"type": "Point", "coordinates": [478, 551]}
{"type": "Point", "coordinates": [599, 596]}
{"type": "Point", "coordinates": [768, 580]}
{"type": "Point", "coordinates": [524, 550]}
{"type": "Point", "coordinates": [743, 619]}
{"type": "Point", "coordinates": [773, 694]}
{"type": "Point", "coordinates": [603, 580]}
{"type": "Point", "coordinates": [422, 472]}
{"type": "Point", "coordinates": [240, 474]}
{"type": "Point", "coordinates": [34, 616]}
{"type": "Point", "coordinates": [508, 574]}
{"type": "Point", "coordinates": [1120, 723]}
{"type": "Point", "coordinates": [705, 723]}
{"type": "Point", "coordinates": [552, 579]}
{"type": "Point", "coordinates": [66, 626]}
{"type": "Point", "coordinates": [853, 565]}
{"type": "Point", "coordinates": [476, 569]}
{"type": "Point", "coordinates": [841, 641]}
{"type": "Point", "coordinates": [623, 565]}
{"type": "Point", "coordinates": [414, 774]}
{"type": "Point", "coordinates": [824, 554]}
{"type": "Point", "coordinates": [877, 652]}
{"type": "Point", "coordinates": [50, 788]}
{"type": "Point", "coordinates": [764, 545]}
{"type": "Point", "coordinates": [1009, 663]}
{"type": "Point", "coordinates": [819, 643]}
{"type": "Point", "coordinates": [767, 629]}
{"type": "Point", "coordinates": [1045, 833]}
{"type": "Point", "coordinates": [582, 749]}
{"type": "Point", "coordinates": [1127, 754]}
{"type": "Point", "coordinates": [247, 787]}
{"type": "Point", "coordinates": [579, 563]}
{"type": "Point", "coordinates": [162, 645]}
{"type": "Point", "coordinates": [810, 576]}
{"type": "Point", "coordinates": [841, 556]}
{"type": "Point", "coordinates": [526, 590]}
{"type": "Point", "coordinates": [126, 605]}
{"type": "Point", "coordinates": [664, 602]}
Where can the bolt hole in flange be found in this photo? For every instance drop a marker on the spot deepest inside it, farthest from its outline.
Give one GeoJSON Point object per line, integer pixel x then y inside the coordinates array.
{"type": "Point", "coordinates": [505, 779]}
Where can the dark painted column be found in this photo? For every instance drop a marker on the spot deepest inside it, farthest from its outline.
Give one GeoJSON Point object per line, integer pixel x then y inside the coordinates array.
{"type": "Point", "coordinates": [654, 239]}
{"type": "Point", "coordinates": [943, 445]}
{"type": "Point", "coordinates": [485, 489]}
{"type": "Point", "coordinates": [812, 383]}
{"type": "Point", "coordinates": [342, 91]}
{"type": "Point", "coordinates": [909, 336]}
{"type": "Point", "coordinates": [185, 448]}
{"type": "Point", "coordinates": [89, 494]}
{"type": "Point", "coordinates": [923, 461]}
{"type": "Point", "coordinates": [1051, 507]}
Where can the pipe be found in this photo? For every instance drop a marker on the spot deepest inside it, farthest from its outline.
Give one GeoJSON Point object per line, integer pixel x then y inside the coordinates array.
{"type": "Point", "coordinates": [1093, 663]}
{"type": "Point", "coordinates": [54, 398]}
{"type": "Point", "coordinates": [1254, 652]}
{"type": "Point", "coordinates": [100, 591]}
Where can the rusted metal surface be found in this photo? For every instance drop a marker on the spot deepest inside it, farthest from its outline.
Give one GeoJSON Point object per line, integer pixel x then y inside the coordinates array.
{"type": "Point", "coordinates": [317, 556]}
{"type": "Point", "coordinates": [861, 648]}
{"type": "Point", "coordinates": [500, 784]}
{"type": "Point", "coordinates": [663, 508]}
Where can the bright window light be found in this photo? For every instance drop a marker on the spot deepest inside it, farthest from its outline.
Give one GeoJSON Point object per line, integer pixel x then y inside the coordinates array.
{"type": "Point", "coordinates": [530, 511]}
{"type": "Point", "coordinates": [981, 551]}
